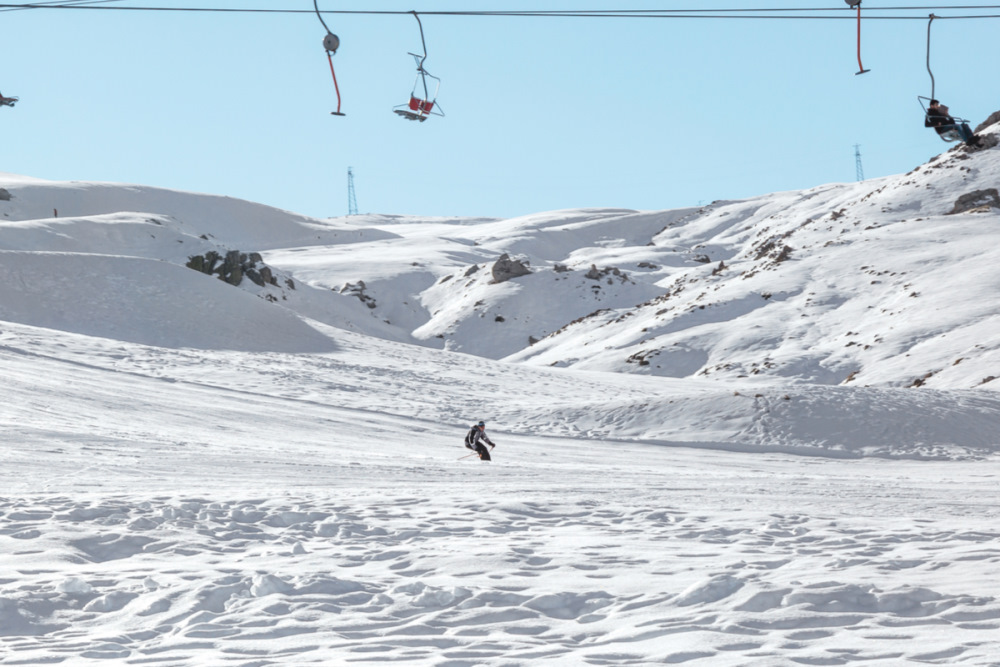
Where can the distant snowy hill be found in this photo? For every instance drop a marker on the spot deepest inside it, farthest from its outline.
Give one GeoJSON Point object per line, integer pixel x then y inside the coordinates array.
{"type": "Point", "coordinates": [884, 284]}
{"type": "Point", "coordinates": [760, 432]}
{"type": "Point", "coordinates": [873, 283]}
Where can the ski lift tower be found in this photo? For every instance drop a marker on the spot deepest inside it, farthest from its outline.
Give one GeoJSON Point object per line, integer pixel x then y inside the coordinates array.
{"type": "Point", "coordinates": [352, 202]}
{"type": "Point", "coordinates": [858, 170]}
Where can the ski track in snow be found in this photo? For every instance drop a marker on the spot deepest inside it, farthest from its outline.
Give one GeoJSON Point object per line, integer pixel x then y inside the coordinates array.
{"type": "Point", "coordinates": [375, 578]}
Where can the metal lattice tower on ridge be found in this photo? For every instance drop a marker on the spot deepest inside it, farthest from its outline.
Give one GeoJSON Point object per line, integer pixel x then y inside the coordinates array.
{"type": "Point", "coordinates": [352, 201]}
{"type": "Point", "coordinates": [859, 172]}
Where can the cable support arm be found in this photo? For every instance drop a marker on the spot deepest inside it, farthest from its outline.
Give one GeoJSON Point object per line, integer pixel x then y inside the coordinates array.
{"type": "Point", "coordinates": [929, 22]}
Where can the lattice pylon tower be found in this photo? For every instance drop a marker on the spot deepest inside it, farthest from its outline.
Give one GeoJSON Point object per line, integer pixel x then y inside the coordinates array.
{"type": "Point", "coordinates": [352, 201]}
{"type": "Point", "coordinates": [859, 171]}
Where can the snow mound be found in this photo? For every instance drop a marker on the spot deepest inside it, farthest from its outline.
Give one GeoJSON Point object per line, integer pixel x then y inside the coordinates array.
{"type": "Point", "coordinates": [148, 302]}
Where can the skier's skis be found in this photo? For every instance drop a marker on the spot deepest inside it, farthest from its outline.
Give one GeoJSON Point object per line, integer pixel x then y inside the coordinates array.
{"type": "Point", "coordinates": [478, 454]}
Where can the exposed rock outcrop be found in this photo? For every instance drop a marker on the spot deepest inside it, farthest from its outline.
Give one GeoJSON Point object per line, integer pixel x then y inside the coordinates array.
{"type": "Point", "coordinates": [234, 267]}
{"type": "Point", "coordinates": [993, 118]}
{"type": "Point", "coordinates": [506, 268]}
{"type": "Point", "coordinates": [600, 274]}
{"type": "Point", "coordinates": [358, 289]}
{"type": "Point", "coordinates": [984, 199]}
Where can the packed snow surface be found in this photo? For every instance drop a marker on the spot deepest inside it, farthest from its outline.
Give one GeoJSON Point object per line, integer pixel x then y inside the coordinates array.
{"type": "Point", "coordinates": [760, 432]}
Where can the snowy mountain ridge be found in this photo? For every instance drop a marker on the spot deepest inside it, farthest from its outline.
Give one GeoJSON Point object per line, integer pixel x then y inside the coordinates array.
{"type": "Point", "coordinates": [874, 283]}
{"type": "Point", "coordinates": [795, 460]}
{"type": "Point", "coordinates": [727, 308]}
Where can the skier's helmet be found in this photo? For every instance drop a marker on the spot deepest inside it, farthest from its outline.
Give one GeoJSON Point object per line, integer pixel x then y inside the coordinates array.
{"type": "Point", "coordinates": [481, 425]}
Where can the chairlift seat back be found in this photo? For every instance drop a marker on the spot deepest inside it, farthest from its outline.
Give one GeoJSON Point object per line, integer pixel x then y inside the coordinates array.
{"type": "Point", "coordinates": [420, 106]}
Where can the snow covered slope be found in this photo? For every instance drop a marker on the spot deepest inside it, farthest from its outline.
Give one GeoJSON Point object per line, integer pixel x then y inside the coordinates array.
{"type": "Point", "coordinates": [873, 285]}
{"type": "Point", "coordinates": [876, 283]}
{"type": "Point", "coordinates": [126, 274]}
{"type": "Point", "coordinates": [231, 435]}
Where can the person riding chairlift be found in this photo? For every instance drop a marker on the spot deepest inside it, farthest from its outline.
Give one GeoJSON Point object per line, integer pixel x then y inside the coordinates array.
{"type": "Point", "coordinates": [7, 101]}
{"type": "Point", "coordinates": [942, 122]}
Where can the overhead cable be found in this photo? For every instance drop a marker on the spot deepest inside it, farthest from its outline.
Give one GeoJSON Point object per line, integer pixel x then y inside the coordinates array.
{"type": "Point", "coordinates": [772, 13]}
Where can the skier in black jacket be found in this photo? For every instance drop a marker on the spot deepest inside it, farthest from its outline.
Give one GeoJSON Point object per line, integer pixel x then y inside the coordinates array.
{"type": "Point", "coordinates": [474, 441]}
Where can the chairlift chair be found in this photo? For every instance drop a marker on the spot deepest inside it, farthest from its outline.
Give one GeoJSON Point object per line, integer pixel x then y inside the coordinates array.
{"type": "Point", "coordinates": [950, 134]}
{"type": "Point", "coordinates": [420, 108]}
{"type": "Point", "coordinates": [7, 101]}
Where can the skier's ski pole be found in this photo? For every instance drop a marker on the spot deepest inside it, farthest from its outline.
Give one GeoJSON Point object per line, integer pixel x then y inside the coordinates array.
{"type": "Point", "coordinates": [468, 455]}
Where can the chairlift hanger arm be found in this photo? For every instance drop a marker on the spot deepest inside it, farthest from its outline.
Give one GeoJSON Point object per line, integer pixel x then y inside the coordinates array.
{"type": "Point", "coordinates": [857, 3]}
{"type": "Point", "coordinates": [423, 42]}
{"type": "Point", "coordinates": [929, 22]}
{"type": "Point", "coordinates": [320, 16]}
{"type": "Point", "coordinates": [331, 43]}
{"type": "Point", "coordinates": [422, 74]}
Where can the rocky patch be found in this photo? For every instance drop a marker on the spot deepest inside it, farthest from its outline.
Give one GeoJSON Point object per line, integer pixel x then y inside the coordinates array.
{"type": "Point", "coordinates": [979, 199]}
{"type": "Point", "coordinates": [358, 290]}
{"type": "Point", "coordinates": [506, 268]}
{"type": "Point", "coordinates": [234, 267]}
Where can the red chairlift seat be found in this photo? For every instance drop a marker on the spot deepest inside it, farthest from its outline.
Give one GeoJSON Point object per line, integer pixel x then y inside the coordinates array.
{"type": "Point", "coordinates": [417, 109]}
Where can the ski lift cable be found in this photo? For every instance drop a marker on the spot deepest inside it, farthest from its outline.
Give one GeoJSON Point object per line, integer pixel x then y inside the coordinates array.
{"type": "Point", "coordinates": [44, 5]}
{"type": "Point", "coordinates": [730, 13]}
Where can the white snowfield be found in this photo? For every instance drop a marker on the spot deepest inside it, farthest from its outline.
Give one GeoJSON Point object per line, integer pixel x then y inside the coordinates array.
{"type": "Point", "coordinates": [762, 432]}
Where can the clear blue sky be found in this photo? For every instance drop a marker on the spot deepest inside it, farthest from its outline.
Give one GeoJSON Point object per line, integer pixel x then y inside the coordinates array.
{"type": "Point", "coordinates": [542, 113]}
